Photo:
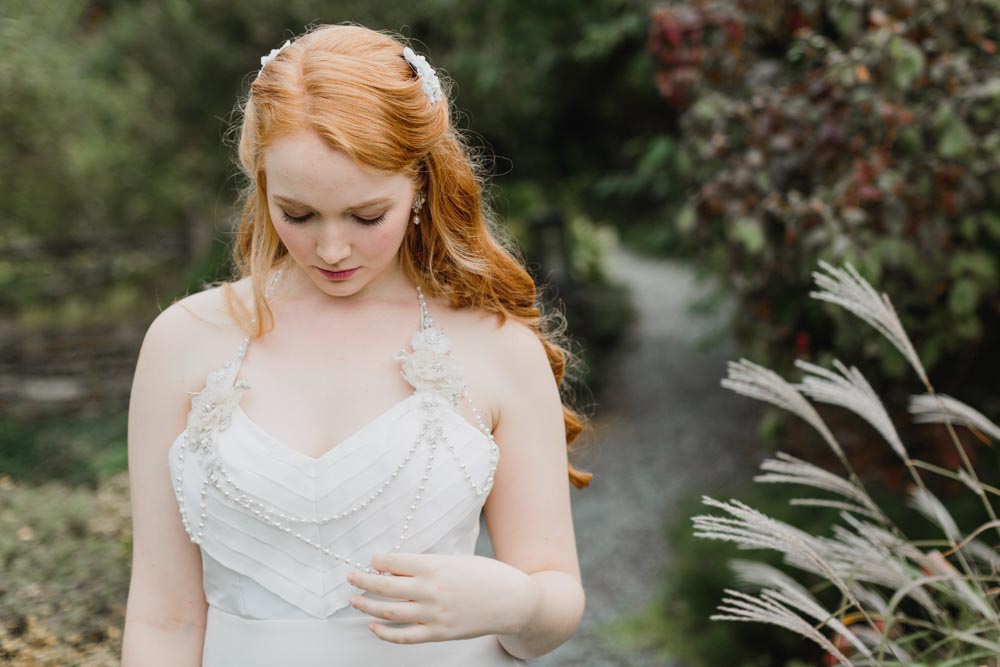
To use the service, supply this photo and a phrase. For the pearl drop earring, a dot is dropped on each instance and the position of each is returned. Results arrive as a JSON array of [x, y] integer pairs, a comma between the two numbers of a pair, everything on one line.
[[420, 200]]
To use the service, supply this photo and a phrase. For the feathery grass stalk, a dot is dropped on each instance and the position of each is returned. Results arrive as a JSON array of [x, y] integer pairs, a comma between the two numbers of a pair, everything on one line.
[[791, 593], [863, 552], [927, 408], [755, 381], [851, 291], [764, 609]]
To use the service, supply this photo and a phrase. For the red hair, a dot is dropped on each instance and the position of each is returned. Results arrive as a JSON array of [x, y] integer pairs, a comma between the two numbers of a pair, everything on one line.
[[351, 85]]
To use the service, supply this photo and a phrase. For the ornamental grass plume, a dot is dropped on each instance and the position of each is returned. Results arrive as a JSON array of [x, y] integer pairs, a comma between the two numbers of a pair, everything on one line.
[[893, 601]]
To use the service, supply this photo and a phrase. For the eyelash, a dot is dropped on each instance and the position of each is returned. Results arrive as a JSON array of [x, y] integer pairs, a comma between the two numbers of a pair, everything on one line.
[[370, 222]]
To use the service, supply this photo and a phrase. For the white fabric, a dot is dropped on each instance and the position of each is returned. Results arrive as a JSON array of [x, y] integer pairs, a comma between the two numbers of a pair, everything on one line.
[[275, 600]]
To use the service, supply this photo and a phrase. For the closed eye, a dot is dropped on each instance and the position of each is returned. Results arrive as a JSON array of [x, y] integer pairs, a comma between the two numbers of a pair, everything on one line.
[[371, 222], [294, 220], [364, 221]]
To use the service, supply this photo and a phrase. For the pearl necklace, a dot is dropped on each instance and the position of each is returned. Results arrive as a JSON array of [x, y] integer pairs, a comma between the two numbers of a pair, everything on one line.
[[272, 516]]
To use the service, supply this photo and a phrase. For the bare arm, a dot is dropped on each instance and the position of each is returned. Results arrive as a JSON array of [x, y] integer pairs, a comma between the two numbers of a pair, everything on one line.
[[528, 511], [166, 610]]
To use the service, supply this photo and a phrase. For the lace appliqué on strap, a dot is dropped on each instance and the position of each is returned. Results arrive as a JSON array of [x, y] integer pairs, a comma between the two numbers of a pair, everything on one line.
[[430, 368], [212, 408]]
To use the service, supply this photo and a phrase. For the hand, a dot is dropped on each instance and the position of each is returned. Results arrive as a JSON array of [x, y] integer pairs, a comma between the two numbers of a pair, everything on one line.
[[445, 596]]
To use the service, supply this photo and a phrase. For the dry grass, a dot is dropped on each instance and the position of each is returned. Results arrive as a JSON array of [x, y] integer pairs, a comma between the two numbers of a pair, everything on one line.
[[893, 601]]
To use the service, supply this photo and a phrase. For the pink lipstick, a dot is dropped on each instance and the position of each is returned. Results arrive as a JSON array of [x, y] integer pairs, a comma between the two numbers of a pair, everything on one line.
[[337, 275]]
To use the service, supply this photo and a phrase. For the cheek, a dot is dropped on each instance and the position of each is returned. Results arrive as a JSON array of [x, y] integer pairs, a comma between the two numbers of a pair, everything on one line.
[[385, 239], [293, 238]]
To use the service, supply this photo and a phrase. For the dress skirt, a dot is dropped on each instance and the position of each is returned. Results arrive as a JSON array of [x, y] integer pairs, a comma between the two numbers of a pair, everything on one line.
[[339, 641]]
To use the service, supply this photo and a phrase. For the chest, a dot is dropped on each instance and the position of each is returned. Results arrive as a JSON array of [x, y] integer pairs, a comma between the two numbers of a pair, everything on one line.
[[311, 397]]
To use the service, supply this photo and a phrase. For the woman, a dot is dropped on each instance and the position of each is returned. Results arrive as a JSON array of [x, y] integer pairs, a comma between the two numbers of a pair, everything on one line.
[[324, 492]]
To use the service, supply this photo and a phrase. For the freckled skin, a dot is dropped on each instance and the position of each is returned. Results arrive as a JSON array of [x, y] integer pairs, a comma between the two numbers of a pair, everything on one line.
[[329, 184]]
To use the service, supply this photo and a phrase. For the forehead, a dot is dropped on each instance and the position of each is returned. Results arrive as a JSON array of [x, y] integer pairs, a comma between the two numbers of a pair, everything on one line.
[[304, 167]]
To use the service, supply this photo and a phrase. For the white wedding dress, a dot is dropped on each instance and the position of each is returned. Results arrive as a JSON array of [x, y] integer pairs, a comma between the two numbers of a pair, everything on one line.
[[280, 530]]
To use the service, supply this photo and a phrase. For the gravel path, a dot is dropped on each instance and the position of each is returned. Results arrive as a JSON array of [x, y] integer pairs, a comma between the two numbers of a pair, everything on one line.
[[666, 429]]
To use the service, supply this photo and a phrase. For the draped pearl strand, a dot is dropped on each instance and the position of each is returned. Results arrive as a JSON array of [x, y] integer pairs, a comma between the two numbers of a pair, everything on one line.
[[426, 322], [431, 432]]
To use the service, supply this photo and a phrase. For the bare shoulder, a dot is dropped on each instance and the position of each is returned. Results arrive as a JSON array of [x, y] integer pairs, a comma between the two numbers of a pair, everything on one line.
[[502, 358], [207, 307], [190, 336]]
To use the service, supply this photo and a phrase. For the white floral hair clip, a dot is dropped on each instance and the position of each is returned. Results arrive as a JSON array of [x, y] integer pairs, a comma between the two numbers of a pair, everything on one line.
[[264, 60], [428, 79]]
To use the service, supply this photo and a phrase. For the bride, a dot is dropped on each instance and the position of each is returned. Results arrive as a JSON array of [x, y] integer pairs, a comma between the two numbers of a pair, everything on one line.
[[311, 445]]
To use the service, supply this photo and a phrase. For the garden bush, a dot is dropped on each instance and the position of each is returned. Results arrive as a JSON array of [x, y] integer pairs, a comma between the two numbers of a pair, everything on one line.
[[841, 130]]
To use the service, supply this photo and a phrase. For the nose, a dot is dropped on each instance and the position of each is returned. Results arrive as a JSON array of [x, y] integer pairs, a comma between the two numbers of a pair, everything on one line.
[[333, 246]]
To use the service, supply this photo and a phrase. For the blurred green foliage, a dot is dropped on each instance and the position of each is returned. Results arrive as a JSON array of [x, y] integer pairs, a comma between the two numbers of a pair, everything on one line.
[[117, 160], [79, 451], [116, 111], [65, 556], [840, 130]]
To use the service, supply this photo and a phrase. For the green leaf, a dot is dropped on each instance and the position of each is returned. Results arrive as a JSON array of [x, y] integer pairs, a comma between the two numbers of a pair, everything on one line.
[[709, 108], [967, 227], [686, 218], [978, 263], [955, 141], [907, 62], [748, 231], [847, 19], [656, 157], [911, 140], [963, 297], [991, 223], [969, 328]]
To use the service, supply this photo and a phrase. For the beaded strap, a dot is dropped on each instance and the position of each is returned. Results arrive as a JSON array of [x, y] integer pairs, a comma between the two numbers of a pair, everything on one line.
[[253, 320], [427, 321]]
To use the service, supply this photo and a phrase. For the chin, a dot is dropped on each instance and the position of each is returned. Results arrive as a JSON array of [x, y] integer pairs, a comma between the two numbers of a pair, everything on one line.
[[341, 287]]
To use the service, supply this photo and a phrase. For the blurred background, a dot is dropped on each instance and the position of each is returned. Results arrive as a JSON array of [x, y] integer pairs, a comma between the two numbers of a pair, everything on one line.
[[672, 171]]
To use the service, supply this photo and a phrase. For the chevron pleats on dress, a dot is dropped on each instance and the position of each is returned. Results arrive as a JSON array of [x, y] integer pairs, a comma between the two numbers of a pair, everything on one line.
[[445, 520]]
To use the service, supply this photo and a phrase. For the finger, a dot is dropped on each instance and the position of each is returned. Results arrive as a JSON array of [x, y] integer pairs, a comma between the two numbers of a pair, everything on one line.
[[390, 587], [403, 563], [407, 634], [395, 611]]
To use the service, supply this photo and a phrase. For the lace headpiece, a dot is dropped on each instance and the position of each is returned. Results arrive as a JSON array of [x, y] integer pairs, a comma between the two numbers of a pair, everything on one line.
[[264, 60], [428, 78]]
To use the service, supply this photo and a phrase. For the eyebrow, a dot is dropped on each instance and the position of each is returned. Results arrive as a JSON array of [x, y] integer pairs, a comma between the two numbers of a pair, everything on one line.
[[370, 202]]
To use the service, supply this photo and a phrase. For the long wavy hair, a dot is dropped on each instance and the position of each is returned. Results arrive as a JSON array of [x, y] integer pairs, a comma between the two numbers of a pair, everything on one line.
[[352, 86]]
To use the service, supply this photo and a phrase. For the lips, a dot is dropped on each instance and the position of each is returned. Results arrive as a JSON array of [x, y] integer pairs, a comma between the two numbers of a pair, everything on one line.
[[345, 273]]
